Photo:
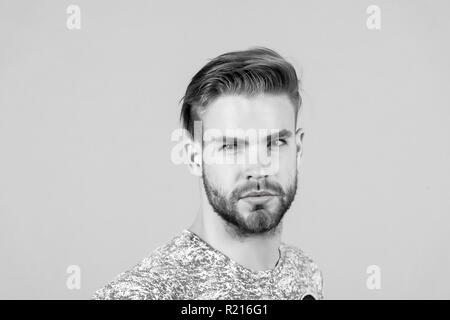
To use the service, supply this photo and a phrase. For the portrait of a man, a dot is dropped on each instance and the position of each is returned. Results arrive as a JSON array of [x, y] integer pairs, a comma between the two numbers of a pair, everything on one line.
[[244, 145], [211, 154]]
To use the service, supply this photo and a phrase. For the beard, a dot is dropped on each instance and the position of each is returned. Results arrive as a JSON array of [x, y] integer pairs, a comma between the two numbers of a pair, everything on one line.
[[258, 219]]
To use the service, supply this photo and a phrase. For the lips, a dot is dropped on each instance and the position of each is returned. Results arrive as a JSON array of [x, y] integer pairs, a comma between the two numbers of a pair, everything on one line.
[[259, 194]]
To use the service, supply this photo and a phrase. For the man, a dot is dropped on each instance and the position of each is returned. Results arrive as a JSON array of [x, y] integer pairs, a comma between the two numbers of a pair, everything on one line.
[[239, 105]]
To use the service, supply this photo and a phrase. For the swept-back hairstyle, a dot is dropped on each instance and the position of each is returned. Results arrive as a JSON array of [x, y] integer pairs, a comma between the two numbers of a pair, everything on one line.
[[249, 72]]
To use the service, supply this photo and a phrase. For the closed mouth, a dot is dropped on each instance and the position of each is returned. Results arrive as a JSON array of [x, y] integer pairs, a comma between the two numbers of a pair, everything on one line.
[[259, 194]]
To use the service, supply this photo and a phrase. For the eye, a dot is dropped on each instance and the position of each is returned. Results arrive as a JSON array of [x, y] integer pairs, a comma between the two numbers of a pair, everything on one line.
[[230, 146], [277, 143]]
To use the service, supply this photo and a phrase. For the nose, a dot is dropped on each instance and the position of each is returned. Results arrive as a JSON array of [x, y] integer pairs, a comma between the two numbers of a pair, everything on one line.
[[257, 172], [259, 169]]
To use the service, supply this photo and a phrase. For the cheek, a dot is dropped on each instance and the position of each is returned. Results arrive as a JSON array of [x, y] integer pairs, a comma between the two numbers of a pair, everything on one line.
[[223, 176], [287, 168]]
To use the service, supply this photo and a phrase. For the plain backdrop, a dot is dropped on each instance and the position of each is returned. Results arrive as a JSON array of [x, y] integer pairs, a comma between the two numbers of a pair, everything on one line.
[[86, 117]]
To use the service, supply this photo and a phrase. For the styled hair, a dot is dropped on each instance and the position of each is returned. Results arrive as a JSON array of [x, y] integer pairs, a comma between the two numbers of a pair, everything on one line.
[[249, 72]]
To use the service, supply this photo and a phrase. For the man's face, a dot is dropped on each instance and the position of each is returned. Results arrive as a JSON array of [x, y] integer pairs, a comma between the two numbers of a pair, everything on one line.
[[271, 176]]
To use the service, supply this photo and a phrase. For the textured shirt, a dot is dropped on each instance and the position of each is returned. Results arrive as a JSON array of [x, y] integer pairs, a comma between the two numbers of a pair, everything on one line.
[[187, 267]]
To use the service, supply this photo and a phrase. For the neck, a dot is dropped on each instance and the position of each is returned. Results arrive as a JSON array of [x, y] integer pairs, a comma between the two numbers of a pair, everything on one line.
[[258, 252]]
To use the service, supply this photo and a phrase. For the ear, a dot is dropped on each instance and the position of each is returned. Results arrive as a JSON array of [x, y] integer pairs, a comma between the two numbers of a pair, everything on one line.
[[193, 152], [299, 134]]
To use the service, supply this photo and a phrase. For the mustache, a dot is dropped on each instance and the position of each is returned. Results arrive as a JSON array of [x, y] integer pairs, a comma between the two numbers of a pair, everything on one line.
[[257, 187]]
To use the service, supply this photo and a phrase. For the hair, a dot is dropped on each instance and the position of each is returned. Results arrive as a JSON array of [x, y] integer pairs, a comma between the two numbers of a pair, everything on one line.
[[249, 72]]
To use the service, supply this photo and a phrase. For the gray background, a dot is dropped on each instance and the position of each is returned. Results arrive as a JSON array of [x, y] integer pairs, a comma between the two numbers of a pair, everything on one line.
[[86, 117]]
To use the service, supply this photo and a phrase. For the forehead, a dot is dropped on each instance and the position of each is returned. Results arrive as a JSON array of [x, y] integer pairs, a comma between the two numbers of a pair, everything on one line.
[[263, 111]]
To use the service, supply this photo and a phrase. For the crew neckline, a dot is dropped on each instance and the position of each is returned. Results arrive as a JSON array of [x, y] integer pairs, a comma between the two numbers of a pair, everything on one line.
[[269, 272]]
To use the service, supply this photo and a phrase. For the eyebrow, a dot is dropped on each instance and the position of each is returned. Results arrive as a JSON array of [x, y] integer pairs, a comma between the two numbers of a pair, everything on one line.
[[280, 134]]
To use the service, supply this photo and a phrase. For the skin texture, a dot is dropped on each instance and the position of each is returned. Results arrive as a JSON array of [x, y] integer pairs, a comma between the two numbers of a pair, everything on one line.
[[248, 230]]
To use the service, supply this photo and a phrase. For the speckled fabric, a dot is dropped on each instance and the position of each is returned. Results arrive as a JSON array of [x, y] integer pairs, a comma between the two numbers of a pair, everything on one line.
[[189, 268]]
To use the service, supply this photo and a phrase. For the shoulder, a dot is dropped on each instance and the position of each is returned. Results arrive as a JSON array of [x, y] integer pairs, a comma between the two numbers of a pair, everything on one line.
[[156, 277], [306, 266], [134, 284], [299, 257]]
